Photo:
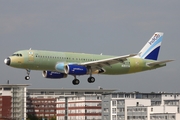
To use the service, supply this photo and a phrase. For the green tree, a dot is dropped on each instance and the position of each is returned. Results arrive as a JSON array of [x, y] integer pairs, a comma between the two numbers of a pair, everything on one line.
[[32, 117], [53, 118]]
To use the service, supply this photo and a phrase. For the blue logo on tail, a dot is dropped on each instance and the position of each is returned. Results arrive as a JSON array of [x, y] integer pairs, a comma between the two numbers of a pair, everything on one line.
[[156, 36], [153, 51]]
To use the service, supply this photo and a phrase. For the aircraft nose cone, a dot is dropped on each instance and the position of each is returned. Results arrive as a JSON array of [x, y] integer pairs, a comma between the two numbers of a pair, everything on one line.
[[7, 61]]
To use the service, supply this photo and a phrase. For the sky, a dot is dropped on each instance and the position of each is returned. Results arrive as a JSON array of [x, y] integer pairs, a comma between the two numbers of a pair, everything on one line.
[[110, 27]]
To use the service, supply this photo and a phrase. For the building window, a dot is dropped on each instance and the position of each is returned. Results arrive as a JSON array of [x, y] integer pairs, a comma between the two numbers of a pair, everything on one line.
[[7, 89], [114, 95], [114, 117], [151, 109], [121, 95], [127, 95], [132, 95], [114, 110], [113, 103], [106, 110], [137, 103], [120, 102]]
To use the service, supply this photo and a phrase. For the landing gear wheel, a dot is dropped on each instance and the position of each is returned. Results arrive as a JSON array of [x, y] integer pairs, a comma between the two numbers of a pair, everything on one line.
[[91, 79], [75, 82], [27, 78]]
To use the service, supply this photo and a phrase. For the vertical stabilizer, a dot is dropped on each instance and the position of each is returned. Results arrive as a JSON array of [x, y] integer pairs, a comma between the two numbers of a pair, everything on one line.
[[152, 47]]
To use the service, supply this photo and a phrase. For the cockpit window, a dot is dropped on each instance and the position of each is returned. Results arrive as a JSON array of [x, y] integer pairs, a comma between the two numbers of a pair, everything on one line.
[[19, 55]]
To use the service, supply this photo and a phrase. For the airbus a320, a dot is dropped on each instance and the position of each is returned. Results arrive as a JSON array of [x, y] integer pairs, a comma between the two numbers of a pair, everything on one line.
[[56, 65]]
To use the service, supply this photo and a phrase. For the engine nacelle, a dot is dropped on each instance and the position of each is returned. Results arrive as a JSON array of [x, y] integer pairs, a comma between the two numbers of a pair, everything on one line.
[[71, 69], [53, 74], [60, 67], [76, 69]]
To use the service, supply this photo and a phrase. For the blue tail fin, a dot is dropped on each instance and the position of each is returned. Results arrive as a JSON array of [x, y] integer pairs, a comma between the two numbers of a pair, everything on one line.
[[152, 47]]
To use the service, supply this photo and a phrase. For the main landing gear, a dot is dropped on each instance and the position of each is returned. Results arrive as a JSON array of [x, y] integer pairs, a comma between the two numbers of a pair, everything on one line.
[[27, 77], [90, 79], [76, 81]]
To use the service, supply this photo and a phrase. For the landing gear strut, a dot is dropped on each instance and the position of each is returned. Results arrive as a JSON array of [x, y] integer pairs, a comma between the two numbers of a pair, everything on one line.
[[27, 77]]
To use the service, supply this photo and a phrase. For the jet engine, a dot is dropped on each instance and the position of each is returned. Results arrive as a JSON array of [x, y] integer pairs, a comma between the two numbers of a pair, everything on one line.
[[53, 74], [76, 69], [72, 69]]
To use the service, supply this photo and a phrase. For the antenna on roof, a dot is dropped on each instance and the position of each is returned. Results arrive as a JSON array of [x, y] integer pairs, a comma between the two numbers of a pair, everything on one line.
[[7, 81]]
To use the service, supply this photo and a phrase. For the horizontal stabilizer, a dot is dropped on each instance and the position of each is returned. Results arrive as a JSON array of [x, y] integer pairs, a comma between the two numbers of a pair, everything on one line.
[[159, 62]]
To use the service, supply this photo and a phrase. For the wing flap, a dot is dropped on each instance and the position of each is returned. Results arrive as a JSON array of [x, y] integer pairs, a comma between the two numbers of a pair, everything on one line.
[[108, 61], [158, 62]]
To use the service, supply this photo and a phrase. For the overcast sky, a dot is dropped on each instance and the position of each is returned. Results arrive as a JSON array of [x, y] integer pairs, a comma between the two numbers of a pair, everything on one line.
[[111, 27]]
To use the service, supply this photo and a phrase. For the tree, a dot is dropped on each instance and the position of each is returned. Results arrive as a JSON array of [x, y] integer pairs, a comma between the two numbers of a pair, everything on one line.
[[53, 118]]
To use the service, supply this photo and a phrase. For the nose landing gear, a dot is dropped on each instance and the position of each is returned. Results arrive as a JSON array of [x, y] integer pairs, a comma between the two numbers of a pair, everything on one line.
[[27, 77]]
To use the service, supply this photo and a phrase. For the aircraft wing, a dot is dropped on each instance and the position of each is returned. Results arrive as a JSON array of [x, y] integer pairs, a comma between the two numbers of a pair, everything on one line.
[[107, 62], [158, 62]]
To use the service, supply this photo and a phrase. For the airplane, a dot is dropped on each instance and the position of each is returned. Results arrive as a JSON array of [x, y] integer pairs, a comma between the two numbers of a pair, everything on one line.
[[56, 65]]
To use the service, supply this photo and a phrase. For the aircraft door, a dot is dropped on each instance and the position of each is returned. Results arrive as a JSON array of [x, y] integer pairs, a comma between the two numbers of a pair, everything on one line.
[[30, 55]]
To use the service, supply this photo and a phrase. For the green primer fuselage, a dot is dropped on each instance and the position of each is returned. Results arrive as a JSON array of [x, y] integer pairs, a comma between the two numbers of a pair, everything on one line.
[[47, 60]]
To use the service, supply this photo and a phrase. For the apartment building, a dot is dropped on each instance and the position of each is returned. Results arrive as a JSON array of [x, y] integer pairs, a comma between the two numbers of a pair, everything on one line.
[[81, 104], [13, 102], [140, 106]]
